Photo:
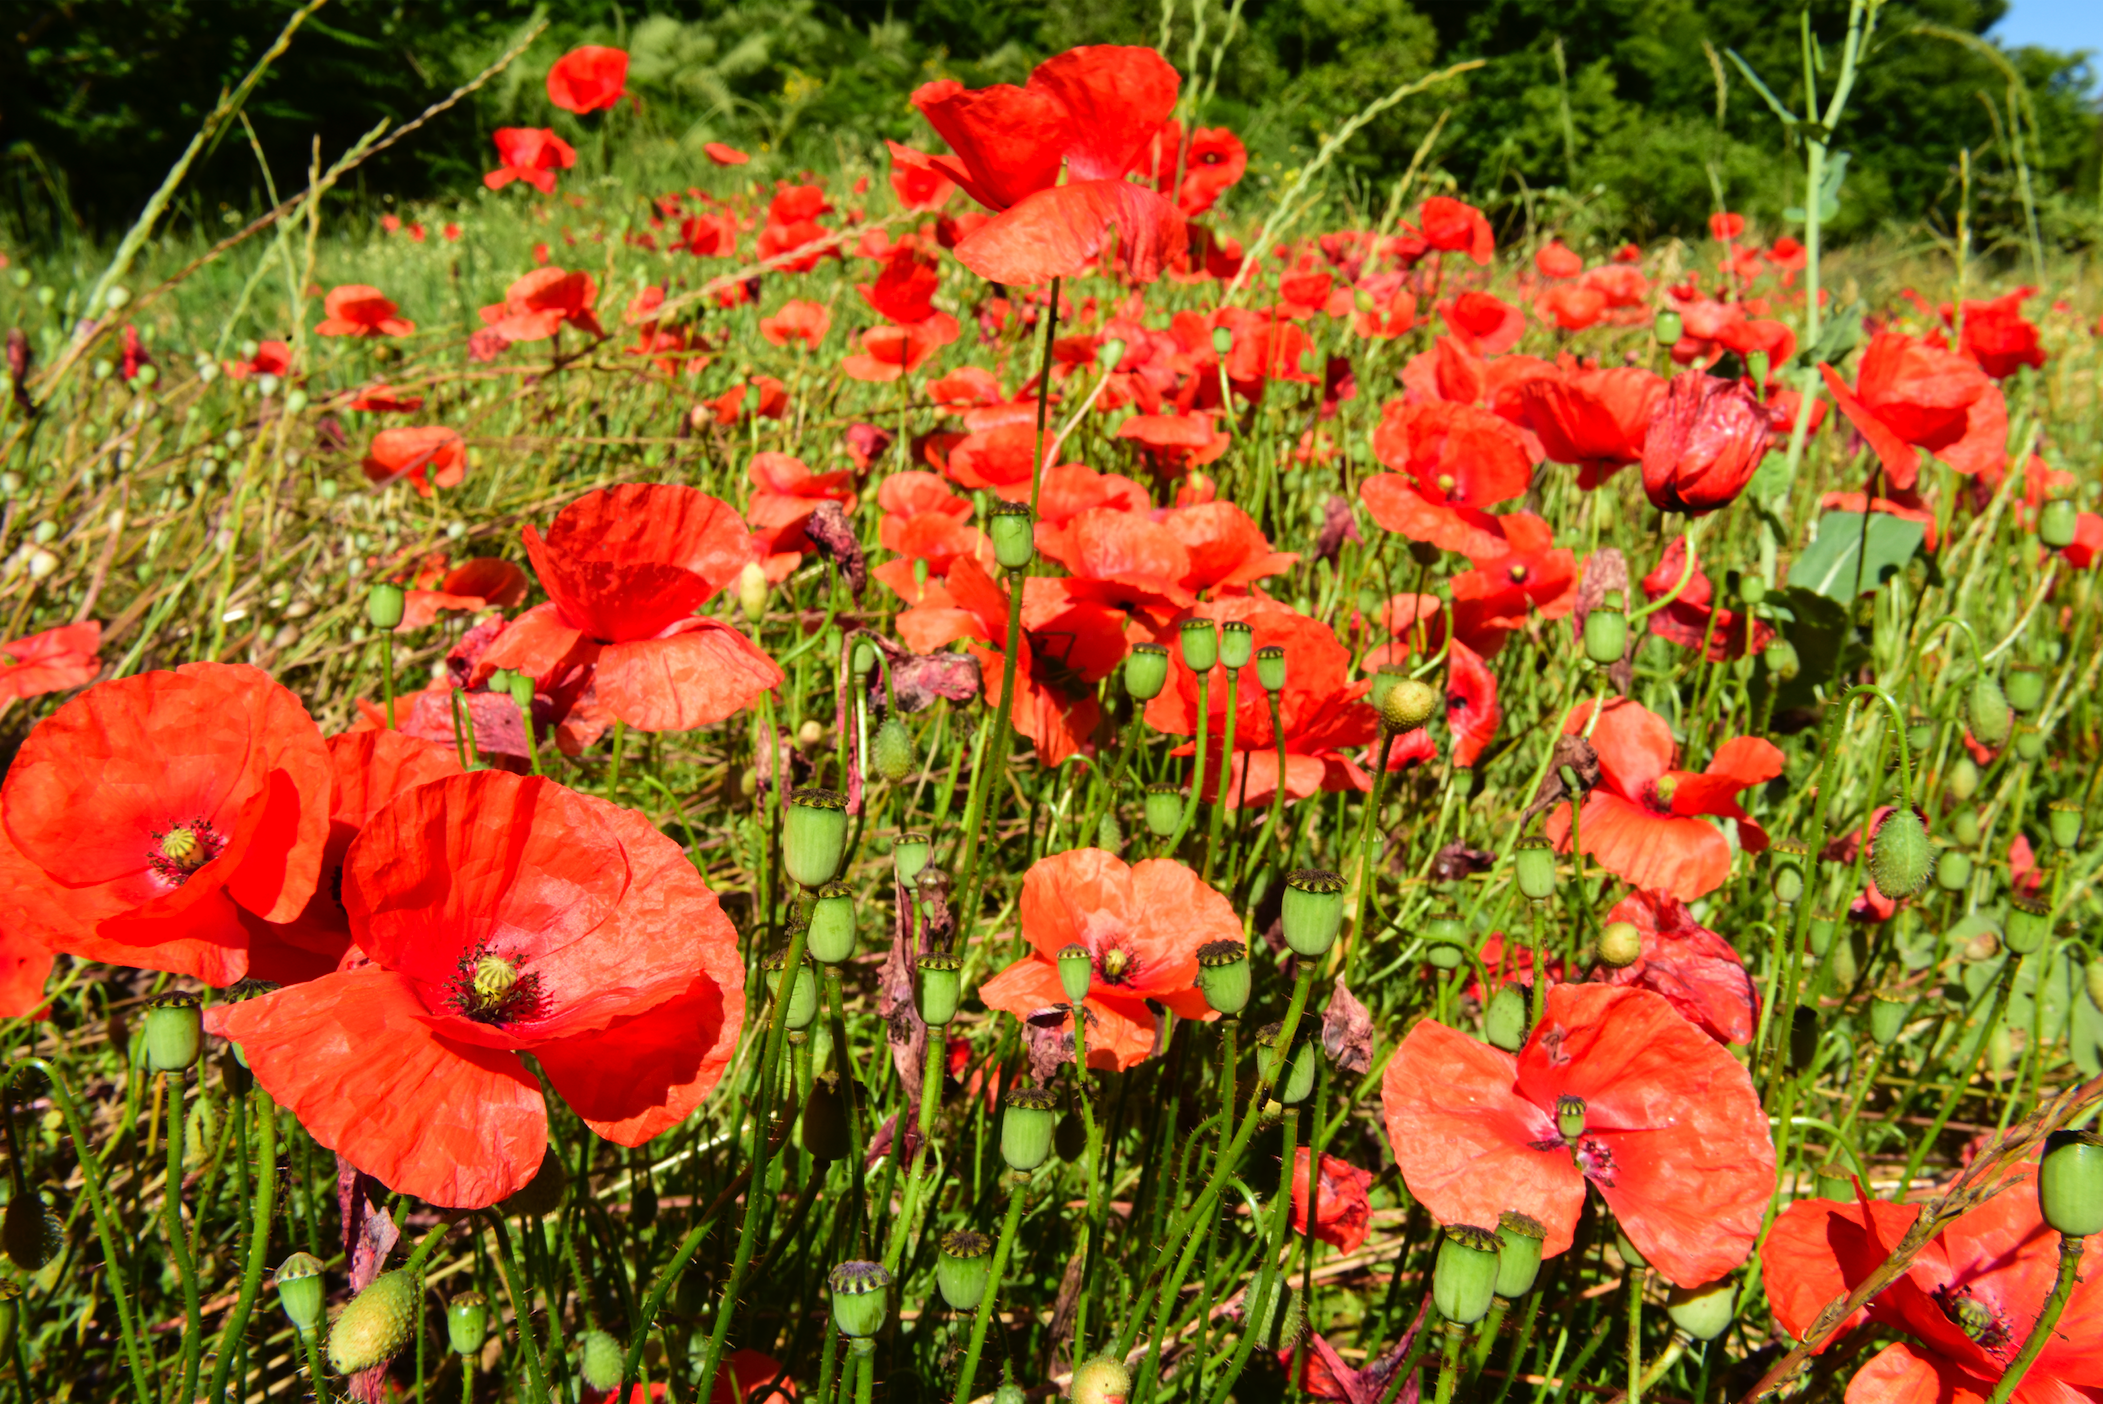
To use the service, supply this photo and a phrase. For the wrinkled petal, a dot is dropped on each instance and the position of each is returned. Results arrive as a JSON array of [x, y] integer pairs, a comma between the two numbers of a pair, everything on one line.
[[703, 674], [1055, 233]]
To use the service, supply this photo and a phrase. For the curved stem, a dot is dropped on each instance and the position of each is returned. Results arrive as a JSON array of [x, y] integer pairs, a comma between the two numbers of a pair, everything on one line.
[[2070, 1249], [179, 1237]]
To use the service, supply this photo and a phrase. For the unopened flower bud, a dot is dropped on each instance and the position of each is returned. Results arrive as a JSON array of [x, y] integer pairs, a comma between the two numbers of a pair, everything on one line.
[[301, 1291], [1146, 671], [1900, 856], [2063, 819], [1606, 634], [1224, 977], [1962, 780], [1222, 340], [2070, 1183], [891, 749], [499, 680], [376, 1324], [1270, 667], [830, 939], [1703, 1312], [1312, 910], [384, 605], [521, 690], [860, 1292], [1237, 644], [1408, 705], [941, 988], [1988, 714], [752, 592], [964, 1268], [908, 857], [1520, 1239], [1013, 535], [2030, 744], [1569, 1117], [1953, 870], [1964, 826], [814, 836], [2058, 523], [1533, 865], [2025, 688], [599, 1361], [1464, 1279], [174, 1033], [1504, 1019], [2029, 924], [1026, 1127], [1110, 353], [30, 1232], [1164, 809], [1200, 639], [1103, 1380]]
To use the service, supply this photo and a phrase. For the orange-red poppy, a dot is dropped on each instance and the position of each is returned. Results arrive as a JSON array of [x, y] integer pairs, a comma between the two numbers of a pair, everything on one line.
[[1531, 575], [1695, 620], [382, 398], [271, 358], [915, 179], [482, 582], [1571, 307], [723, 155], [1342, 1213], [1911, 396], [1176, 443], [904, 291], [784, 494], [1452, 461], [1454, 227], [430, 456], [1673, 1136], [358, 309], [797, 320], [588, 79], [149, 818], [1595, 420], [1997, 335], [1214, 163], [890, 353], [924, 521], [1707, 440], [1554, 259], [54, 660], [530, 154], [501, 915], [541, 303], [1141, 926], [1472, 713], [1694, 969]]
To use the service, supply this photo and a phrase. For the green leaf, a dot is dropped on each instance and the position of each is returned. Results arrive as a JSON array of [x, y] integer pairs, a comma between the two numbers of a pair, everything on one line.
[[1843, 555]]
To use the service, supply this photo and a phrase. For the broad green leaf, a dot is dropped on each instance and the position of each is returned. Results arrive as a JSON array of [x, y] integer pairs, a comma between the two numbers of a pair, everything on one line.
[[1836, 561]]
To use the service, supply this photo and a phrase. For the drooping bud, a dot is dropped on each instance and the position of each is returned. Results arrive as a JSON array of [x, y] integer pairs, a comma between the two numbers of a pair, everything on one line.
[[1533, 865], [1569, 1117], [174, 1033], [1076, 969], [1953, 870], [1606, 631], [1026, 1127], [1408, 705], [1464, 1279], [1703, 1312], [599, 1360], [1103, 1380], [1200, 640], [1237, 644], [384, 605], [301, 1291], [964, 1268], [1224, 977], [891, 750], [2063, 819], [908, 856], [1988, 713], [814, 836], [1504, 1019], [1164, 809], [1013, 535], [1520, 1239], [1311, 912], [375, 1325], [2029, 924], [2070, 1183], [1270, 667], [941, 988], [1146, 671], [1620, 943], [2025, 688], [860, 1293], [1900, 855], [830, 939]]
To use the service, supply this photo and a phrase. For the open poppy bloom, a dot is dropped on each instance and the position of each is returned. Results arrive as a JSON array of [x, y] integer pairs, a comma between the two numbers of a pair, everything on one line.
[[1486, 325], [382, 398], [1451, 461], [588, 79], [541, 303], [51, 661], [1472, 713], [924, 521], [1141, 926], [625, 568], [1342, 1213], [1669, 1129], [1452, 226], [1707, 440], [784, 494], [1695, 620], [915, 179], [723, 155], [501, 915], [1967, 1302], [1910, 396], [1530, 576], [530, 154], [1998, 336], [1123, 564], [806, 322], [1571, 307], [271, 358], [483, 582], [1214, 163], [429, 456], [357, 309], [1696, 970], [1175, 443], [147, 819], [1640, 823], [1593, 419], [1555, 259]]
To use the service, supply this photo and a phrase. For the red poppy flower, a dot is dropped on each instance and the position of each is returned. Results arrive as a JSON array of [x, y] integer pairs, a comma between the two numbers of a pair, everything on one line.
[[1454, 227], [1450, 371], [1472, 713], [146, 816], [904, 291], [1967, 1302], [1572, 307], [501, 915], [1640, 823], [382, 398], [530, 154], [1555, 260], [133, 357], [588, 79], [625, 568], [1486, 325], [784, 494], [483, 582], [924, 521], [1388, 317], [915, 179], [1141, 926], [1342, 1213], [1214, 163], [54, 660], [1070, 489], [890, 353], [1451, 461], [1708, 439], [1266, 348], [1124, 562], [1673, 1139], [1998, 336], [806, 322], [1176, 443], [1725, 226], [429, 456], [271, 358], [996, 459], [1531, 576], [356, 309], [1911, 396], [1694, 620], [1593, 419], [1228, 551], [709, 236], [2087, 546], [723, 155], [1693, 968], [539, 304]]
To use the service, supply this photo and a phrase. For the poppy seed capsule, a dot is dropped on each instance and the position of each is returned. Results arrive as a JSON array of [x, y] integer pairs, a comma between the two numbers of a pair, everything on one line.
[[1900, 855], [384, 605], [2030, 745], [1164, 809], [2025, 688], [1076, 969], [301, 1291], [1504, 1020], [1533, 864], [964, 1268], [1270, 667], [2029, 923], [2063, 819], [908, 857], [1102, 1380], [1200, 640], [1953, 870], [1464, 1280], [2070, 1183], [1520, 1239], [803, 991], [1703, 1312], [859, 1290], [1237, 644], [599, 1360], [1013, 535], [1667, 328], [830, 939], [941, 988], [1146, 671], [174, 1033], [1788, 859], [891, 750], [1311, 911], [375, 1325], [1887, 1019], [1408, 705], [814, 836], [521, 690], [1569, 1117], [1606, 635], [1620, 943], [1384, 679], [1026, 1127], [1277, 1323], [1224, 977], [2059, 523], [1988, 714]]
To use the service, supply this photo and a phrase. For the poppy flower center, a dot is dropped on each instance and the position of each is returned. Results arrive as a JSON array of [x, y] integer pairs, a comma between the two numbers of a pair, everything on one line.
[[493, 989], [1657, 795], [1519, 574], [181, 850], [1975, 1318], [1445, 483]]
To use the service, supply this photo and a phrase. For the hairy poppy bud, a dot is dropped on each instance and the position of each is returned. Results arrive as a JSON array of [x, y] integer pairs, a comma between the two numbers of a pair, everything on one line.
[[1667, 328], [830, 939], [1703, 1312], [1013, 534], [31, 1233], [1200, 640], [1270, 667], [1788, 859], [599, 1360], [941, 987], [1277, 1323], [1164, 809], [1953, 870], [892, 750], [908, 857], [174, 1033], [859, 1292], [1706, 441], [864, 659], [543, 1193], [1464, 1279], [1224, 975], [1237, 644], [1010, 1392], [1311, 911], [2058, 523], [1504, 1019], [824, 1125], [1533, 864], [1408, 705], [2025, 688], [1293, 1077], [814, 836], [1964, 827], [1076, 969], [2029, 923], [1569, 1117], [1026, 1127], [384, 605], [1520, 1238], [1606, 634], [1887, 1019], [2063, 819], [1900, 855], [964, 1269], [752, 592], [802, 996], [1620, 943], [1103, 1380], [1146, 671], [375, 1325], [2070, 1183], [1109, 835], [1988, 713]]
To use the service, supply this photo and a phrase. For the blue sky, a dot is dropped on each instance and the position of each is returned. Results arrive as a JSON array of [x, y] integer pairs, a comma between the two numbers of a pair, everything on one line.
[[2055, 24]]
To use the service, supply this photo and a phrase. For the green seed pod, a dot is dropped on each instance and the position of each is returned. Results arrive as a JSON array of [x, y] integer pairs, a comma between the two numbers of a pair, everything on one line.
[[1533, 864], [1820, 938], [466, 1322], [1964, 827], [1010, 1392], [375, 1325], [824, 1125], [521, 690], [2070, 1183], [1988, 714], [302, 1291], [1606, 635], [1504, 1020], [1102, 1380], [1620, 943], [599, 1360], [31, 1233], [1076, 970], [753, 589], [1237, 644], [941, 988], [1026, 1127], [2029, 924], [1782, 661], [803, 990], [1752, 590], [2030, 744], [1224, 977], [1446, 937], [814, 836], [499, 680], [2058, 523], [908, 857], [1279, 1322], [830, 939], [1519, 1238], [864, 659], [174, 1033], [1311, 911], [1270, 667], [964, 1269], [1298, 1082], [1900, 856], [1200, 639], [2025, 688], [891, 749], [1788, 860], [1961, 782], [1887, 1019], [1464, 1280], [1953, 870], [1146, 671], [1667, 328], [1704, 1312], [384, 605], [543, 1193], [1013, 534], [2063, 818], [1164, 809], [1630, 1253], [1408, 705], [860, 1292]]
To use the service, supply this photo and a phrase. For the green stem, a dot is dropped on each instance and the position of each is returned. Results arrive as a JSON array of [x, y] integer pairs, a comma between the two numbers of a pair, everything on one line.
[[1367, 824], [521, 1309], [1197, 783], [1226, 770], [178, 1237], [2070, 1249], [258, 1238], [1260, 1304], [1017, 1192]]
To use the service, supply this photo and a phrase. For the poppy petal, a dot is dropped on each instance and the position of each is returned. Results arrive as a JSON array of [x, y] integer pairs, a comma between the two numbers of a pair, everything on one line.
[[699, 676], [641, 1076], [1685, 857], [1900, 459], [1904, 1374], [1055, 233]]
